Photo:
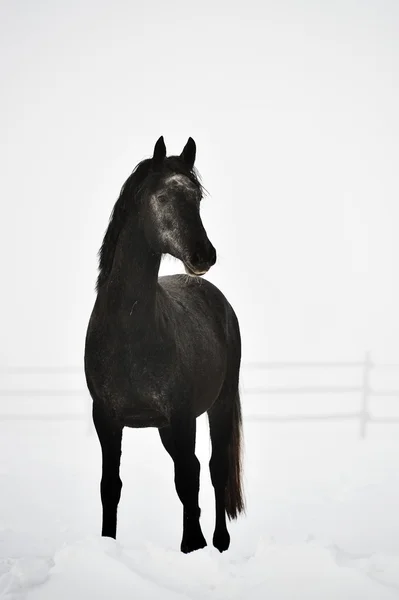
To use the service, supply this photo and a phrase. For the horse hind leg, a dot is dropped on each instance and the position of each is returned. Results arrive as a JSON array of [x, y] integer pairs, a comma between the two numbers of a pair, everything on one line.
[[225, 463]]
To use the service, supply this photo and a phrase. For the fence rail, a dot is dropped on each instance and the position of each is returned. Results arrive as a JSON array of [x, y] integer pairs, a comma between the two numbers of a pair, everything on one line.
[[365, 390]]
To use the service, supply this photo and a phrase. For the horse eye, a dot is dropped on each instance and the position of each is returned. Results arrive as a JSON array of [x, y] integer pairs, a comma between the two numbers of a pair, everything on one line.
[[162, 198]]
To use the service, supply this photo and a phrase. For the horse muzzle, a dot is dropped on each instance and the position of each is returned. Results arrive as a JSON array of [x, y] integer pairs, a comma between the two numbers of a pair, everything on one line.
[[201, 260]]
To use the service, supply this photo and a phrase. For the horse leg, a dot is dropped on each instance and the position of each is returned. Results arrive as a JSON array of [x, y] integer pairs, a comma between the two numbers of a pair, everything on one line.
[[179, 441], [110, 437], [219, 469], [225, 464]]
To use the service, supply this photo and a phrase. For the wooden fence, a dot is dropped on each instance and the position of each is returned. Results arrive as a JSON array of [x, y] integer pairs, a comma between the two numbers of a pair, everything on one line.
[[365, 391], [363, 415]]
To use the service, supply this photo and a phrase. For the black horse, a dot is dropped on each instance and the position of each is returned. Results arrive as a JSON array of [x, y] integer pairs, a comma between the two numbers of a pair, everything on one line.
[[161, 351]]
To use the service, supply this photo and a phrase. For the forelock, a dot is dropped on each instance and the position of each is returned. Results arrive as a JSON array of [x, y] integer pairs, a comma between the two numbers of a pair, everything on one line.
[[180, 181]]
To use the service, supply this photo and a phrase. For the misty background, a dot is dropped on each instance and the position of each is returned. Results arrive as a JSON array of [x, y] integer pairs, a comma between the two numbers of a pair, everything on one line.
[[293, 106], [294, 109]]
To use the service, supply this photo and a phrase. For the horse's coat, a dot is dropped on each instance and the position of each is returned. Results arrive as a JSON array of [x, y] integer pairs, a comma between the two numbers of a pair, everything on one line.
[[162, 351]]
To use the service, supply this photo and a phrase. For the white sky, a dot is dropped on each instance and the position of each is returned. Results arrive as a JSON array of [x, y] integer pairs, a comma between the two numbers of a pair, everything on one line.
[[294, 108]]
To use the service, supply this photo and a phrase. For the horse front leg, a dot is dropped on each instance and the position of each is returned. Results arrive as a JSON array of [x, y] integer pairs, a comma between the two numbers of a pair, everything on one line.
[[179, 441], [110, 437]]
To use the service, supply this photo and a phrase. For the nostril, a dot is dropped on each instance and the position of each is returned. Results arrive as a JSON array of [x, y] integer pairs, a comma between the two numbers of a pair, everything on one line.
[[204, 258], [196, 258]]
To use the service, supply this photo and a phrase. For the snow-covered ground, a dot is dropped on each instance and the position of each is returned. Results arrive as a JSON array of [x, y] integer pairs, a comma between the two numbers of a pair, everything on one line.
[[322, 517]]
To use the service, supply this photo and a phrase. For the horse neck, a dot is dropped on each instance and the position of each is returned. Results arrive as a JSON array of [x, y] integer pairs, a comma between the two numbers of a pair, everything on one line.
[[133, 280]]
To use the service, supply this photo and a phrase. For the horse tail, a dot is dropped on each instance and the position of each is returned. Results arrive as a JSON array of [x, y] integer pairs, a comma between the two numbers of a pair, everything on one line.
[[234, 498]]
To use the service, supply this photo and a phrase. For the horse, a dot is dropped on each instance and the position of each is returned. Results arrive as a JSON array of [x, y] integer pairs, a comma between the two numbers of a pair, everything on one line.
[[161, 351]]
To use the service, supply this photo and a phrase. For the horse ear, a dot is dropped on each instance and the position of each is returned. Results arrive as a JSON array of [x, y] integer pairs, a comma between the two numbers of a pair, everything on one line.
[[189, 151], [159, 152]]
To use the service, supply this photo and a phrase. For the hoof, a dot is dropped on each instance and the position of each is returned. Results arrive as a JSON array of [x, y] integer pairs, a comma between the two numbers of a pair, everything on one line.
[[190, 543], [221, 540]]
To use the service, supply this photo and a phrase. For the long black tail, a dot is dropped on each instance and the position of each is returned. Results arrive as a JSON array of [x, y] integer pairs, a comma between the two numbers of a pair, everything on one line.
[[235, 503]]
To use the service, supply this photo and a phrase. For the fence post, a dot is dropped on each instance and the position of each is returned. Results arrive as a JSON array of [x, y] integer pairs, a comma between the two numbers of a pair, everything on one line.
[[364, 410]]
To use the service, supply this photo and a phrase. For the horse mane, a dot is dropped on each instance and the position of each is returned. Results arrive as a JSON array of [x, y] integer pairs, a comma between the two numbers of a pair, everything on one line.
[[124, 203], [118, 218]]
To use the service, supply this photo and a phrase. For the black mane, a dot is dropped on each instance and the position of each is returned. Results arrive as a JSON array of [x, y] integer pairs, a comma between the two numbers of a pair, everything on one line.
[[129, 192]]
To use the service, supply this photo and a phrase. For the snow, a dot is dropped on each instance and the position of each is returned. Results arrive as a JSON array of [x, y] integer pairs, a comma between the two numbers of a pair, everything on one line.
[[322, 518], [101, 568]]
